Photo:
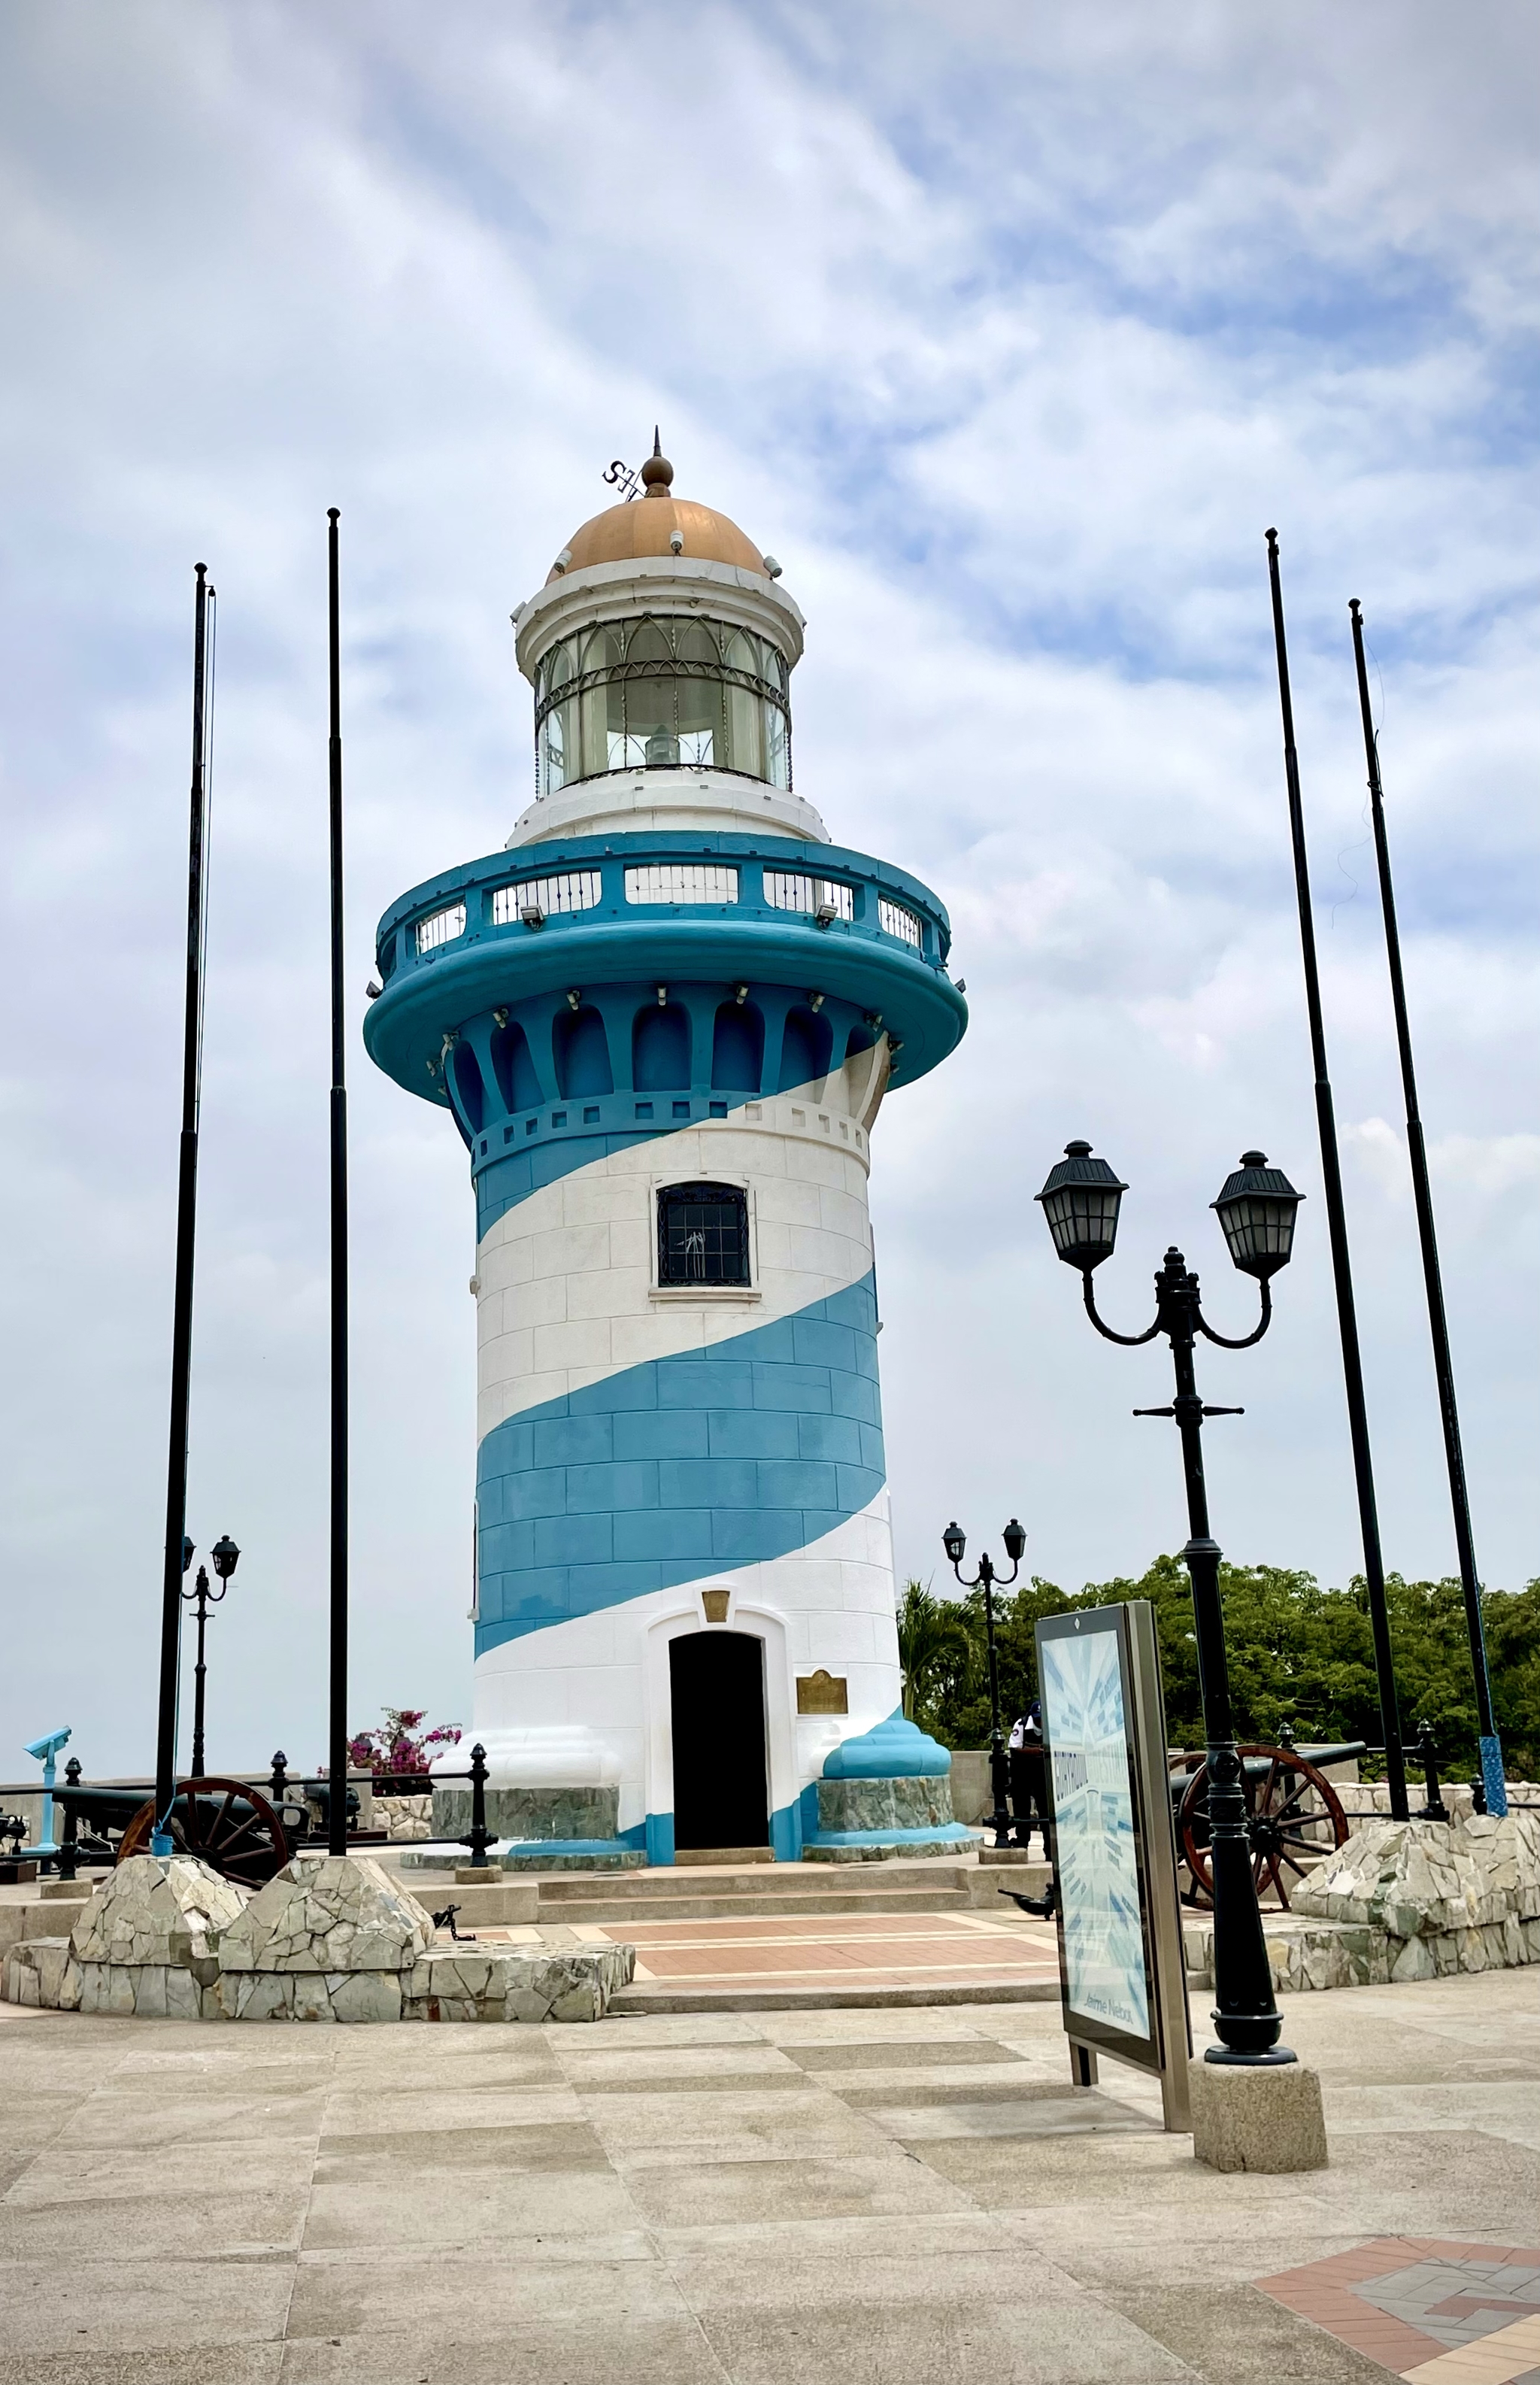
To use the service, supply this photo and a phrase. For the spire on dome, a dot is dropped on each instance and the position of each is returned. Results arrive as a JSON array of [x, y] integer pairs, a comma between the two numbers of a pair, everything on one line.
[[657, 473]]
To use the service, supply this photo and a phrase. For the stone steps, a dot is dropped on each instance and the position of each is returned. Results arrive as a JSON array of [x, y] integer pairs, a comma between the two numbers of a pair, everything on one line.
[[653, 1997], [37, 1917], [598, 1905], [693, 1893]]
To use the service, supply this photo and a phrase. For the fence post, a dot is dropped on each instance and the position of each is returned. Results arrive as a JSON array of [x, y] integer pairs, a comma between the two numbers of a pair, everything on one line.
[[479, 1838], [1433, 1809], [67, 1848]]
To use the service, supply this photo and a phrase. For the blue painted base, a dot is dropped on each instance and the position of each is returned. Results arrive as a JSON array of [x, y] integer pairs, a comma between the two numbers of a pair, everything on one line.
[[877, 1846], [573, 1854]]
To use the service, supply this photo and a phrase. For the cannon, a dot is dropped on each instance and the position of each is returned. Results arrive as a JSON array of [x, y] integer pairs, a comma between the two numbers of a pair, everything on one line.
[[1294, 1815], [230, 1824], [242, 1832]]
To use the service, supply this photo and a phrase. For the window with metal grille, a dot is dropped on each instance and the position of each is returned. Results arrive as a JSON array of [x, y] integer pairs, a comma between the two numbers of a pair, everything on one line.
[[682, 882], [894, 920], [441, 928], [703, 1234], [791, 890], [574, 890]]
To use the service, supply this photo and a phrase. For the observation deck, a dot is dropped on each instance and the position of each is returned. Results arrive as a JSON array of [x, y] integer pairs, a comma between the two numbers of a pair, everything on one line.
[[721, 916]]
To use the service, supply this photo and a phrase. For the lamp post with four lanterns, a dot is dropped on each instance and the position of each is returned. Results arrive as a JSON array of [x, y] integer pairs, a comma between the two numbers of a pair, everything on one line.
[[988, 1581], [1257, 1210]]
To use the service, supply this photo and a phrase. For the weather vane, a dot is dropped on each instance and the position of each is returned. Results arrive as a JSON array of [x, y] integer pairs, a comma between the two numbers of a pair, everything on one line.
[[621, 476]]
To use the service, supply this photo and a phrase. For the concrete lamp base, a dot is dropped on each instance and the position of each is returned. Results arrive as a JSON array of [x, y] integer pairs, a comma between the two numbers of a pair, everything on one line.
[[1265, 2119]]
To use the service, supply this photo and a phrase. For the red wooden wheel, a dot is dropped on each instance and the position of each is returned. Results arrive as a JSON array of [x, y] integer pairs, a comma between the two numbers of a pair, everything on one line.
[[1294, 1816], [229, 1824]]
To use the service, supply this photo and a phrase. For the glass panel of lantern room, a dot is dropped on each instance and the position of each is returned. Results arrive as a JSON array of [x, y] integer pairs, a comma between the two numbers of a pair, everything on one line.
[[777, 740], [698, 713], [553, 750], [651, 737], [698, 696], [745, 747], [601, 653]]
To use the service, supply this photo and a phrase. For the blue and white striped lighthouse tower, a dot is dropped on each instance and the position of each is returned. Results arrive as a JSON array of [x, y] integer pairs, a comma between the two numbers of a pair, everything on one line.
[[663, 1019]]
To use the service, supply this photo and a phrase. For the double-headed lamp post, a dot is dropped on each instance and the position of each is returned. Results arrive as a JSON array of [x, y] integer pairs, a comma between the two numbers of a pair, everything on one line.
[[1257, 1210], [987, 1578], [224, 1553]]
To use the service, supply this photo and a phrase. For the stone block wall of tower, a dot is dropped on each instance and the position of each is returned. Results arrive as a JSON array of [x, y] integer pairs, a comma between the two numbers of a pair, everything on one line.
[[708, 1010]]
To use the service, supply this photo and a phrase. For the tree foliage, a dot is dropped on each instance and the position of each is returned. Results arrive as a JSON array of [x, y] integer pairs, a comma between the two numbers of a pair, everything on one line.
[[1301, 1659], [935, 1651]]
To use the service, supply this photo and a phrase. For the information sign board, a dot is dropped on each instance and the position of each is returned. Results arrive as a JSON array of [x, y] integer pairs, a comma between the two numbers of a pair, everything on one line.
[[1120, 1966]]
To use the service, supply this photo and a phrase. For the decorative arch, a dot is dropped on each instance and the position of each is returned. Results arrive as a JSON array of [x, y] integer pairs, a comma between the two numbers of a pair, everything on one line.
[[470, 1086], [513, 1068], [805, 1043], [581, 1051], [738, 1048], [660, 1049]]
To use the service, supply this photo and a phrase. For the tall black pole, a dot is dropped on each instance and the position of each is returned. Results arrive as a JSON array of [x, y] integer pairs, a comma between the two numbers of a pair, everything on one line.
[[1491, 1750], [1246, 2010], [187, 1215], [1337, 1220], [337, 1743]]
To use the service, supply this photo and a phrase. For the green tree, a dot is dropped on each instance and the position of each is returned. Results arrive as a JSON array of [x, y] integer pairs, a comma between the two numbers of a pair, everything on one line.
[[1301, 1659], [934, 1649]]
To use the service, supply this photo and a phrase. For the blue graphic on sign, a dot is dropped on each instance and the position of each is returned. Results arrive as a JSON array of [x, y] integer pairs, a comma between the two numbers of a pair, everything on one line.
[[1093, 1804]]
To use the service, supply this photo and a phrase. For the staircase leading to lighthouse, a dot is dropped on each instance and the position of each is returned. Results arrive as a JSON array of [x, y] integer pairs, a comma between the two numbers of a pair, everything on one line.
[[703, 1893]]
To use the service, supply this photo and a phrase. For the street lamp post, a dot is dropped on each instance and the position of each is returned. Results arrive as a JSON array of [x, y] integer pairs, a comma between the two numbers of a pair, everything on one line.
[[1257, 1210], [987, 1578], [202, 1597]]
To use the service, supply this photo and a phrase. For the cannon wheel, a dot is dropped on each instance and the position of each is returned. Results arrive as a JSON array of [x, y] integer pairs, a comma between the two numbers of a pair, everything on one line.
[[247, 1847], [1285, 1813]]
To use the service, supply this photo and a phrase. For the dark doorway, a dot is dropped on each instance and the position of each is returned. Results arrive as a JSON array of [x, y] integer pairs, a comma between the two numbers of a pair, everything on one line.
[[717, 1682]]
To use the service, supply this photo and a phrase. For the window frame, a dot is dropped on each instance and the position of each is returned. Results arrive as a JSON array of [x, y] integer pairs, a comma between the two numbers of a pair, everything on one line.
[[725, 1180]]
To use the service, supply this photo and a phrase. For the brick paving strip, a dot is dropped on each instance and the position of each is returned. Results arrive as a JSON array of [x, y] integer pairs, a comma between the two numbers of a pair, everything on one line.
[[873, 1950], [870, 1949], [1434, 2311]]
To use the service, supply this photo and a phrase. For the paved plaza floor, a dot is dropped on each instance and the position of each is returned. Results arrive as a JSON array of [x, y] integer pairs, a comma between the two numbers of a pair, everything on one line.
[[818, 1955], [836, 2197]]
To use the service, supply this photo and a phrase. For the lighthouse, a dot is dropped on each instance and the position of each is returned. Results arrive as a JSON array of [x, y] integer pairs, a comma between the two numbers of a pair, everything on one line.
[[664, 1019]]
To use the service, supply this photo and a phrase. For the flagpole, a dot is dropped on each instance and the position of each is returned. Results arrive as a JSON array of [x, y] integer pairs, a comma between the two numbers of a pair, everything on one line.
[[337, 1738], [176, 1551], [1439, 1324], [1336, 1223]]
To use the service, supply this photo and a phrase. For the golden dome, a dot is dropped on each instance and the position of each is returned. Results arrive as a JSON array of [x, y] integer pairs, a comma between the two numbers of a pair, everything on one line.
[[651, 524]]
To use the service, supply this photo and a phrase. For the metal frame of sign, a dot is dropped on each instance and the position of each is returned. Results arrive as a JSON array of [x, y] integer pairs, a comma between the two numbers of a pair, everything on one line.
[[1126, 1639]]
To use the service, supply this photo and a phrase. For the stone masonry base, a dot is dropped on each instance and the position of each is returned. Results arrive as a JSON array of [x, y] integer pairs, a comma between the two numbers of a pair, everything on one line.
[[328, 1939]]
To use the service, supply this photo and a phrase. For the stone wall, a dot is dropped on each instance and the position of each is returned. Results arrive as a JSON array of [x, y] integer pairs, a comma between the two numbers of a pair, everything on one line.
[[1403, 1900], [405, 1819], [1457, 1797], [329, 1939], [529, 1813], [1461, 1896]]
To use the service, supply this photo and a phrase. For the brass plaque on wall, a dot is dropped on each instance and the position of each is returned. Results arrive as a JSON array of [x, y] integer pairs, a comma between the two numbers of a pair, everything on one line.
[[822, 1692], [716, 1604]]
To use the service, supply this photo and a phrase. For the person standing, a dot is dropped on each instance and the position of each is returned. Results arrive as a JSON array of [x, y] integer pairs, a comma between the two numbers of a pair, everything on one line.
[[1028, 1778]]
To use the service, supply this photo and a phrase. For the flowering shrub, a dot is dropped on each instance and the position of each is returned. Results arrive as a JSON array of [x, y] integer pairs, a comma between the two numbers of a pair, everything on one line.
[[402, 1745]]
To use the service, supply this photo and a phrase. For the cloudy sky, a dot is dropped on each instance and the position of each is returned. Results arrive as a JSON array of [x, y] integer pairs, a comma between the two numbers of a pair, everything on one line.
[[1010, 330]]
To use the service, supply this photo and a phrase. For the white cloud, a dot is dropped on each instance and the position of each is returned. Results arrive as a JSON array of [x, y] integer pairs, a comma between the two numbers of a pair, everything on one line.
[[1010, 333]]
